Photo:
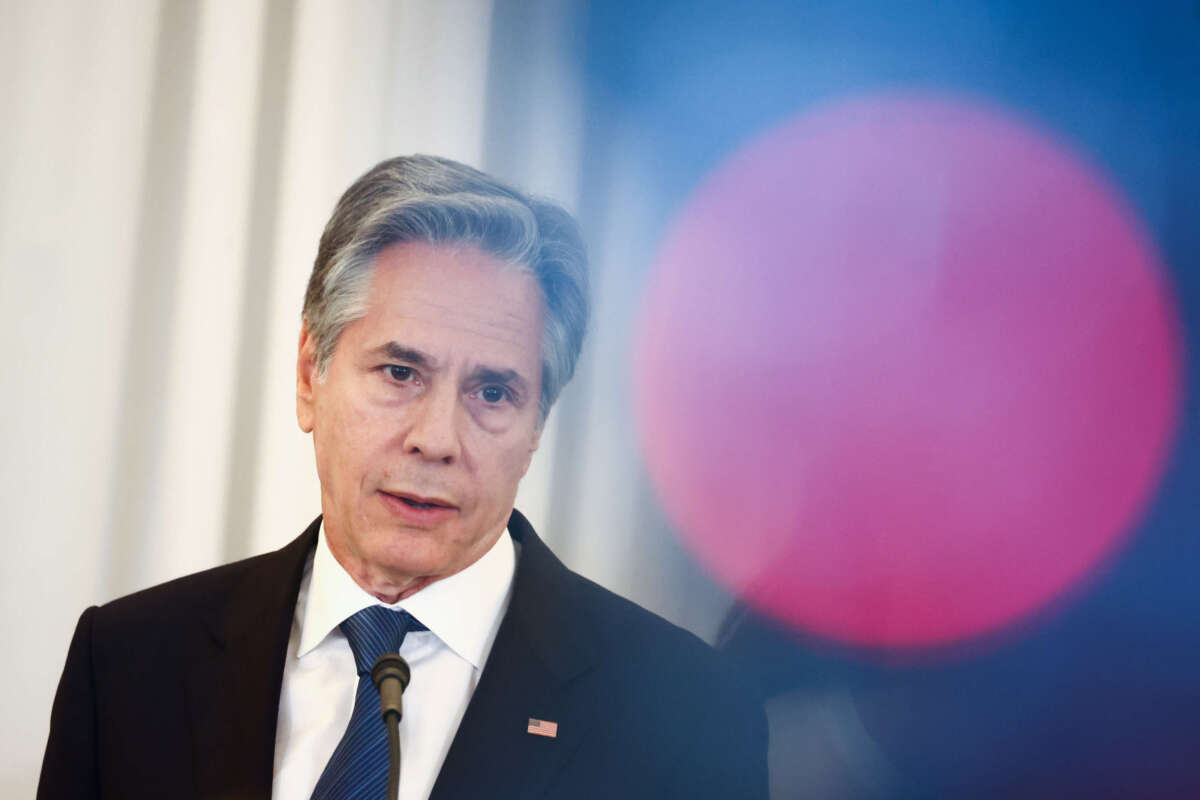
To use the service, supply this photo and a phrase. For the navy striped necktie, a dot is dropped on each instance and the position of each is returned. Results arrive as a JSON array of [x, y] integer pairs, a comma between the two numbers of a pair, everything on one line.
[[358, 768]]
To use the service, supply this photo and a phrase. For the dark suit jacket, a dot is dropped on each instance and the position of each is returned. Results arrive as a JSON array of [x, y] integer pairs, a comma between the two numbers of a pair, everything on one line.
[[174, 692]]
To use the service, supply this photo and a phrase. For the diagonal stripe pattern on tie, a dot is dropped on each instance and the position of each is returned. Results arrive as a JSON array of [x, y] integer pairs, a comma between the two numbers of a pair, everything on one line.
[[358, 768]]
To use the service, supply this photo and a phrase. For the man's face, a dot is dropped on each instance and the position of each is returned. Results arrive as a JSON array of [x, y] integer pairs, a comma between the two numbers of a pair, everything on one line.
[[427, 417]]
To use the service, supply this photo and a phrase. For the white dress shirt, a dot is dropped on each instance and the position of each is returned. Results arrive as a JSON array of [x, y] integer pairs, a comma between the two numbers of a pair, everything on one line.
[[463, 614]]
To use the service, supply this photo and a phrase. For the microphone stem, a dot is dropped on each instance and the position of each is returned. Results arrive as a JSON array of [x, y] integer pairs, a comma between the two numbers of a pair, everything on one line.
[[393, 731]]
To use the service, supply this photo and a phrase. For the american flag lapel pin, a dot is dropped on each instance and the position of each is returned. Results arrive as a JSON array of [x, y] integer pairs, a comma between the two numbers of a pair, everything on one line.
[[542, 727]]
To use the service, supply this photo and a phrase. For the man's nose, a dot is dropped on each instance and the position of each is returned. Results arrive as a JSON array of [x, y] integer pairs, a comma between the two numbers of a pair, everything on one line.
[[433, 432]]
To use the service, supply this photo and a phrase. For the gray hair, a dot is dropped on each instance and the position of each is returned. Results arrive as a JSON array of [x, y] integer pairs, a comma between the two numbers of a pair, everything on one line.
[[436, 200]]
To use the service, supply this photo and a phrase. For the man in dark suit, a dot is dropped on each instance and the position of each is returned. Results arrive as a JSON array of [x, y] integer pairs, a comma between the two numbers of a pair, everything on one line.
[[444, 314]]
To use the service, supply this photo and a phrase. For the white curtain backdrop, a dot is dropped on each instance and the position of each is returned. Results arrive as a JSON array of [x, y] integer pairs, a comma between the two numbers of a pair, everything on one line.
[[165, 173]]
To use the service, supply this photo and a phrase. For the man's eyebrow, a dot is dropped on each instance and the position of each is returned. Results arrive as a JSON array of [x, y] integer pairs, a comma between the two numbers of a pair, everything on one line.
[[398, 352], [498, 375], [419, 358]]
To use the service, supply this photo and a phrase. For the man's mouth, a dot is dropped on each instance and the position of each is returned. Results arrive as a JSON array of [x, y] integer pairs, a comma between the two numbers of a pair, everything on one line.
[[415, 504], [419, 502]]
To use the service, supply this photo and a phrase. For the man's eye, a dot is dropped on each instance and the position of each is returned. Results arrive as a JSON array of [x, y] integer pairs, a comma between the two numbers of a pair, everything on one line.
[[493, 394], [399, 373]]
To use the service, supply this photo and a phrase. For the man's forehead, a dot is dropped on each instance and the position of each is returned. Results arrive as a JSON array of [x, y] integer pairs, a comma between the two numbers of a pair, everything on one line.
[[453, 302], [432, 326], [432, 308]]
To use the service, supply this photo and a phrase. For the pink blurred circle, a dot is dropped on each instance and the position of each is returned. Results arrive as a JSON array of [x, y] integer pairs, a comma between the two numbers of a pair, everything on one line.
[[907, 370]]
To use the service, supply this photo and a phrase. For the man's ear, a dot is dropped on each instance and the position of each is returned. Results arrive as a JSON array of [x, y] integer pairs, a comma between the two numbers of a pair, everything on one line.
[[306, 377]]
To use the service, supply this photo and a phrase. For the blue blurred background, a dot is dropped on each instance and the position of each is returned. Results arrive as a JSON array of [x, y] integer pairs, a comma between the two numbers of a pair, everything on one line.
[[1101, 697]]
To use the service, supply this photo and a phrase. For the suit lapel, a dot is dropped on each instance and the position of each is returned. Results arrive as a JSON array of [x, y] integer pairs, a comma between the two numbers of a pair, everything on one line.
[[234, 691], [542, 647]]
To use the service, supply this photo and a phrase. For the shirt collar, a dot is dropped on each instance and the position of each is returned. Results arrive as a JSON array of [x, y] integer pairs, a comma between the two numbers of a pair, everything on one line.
[[463, 610]]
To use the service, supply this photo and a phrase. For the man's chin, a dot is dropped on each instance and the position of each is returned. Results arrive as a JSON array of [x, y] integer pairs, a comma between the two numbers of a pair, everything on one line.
[[405, 550]]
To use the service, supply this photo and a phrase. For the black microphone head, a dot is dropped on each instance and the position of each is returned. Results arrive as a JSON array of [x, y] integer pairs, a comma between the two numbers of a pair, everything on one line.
[[390, 676], [390, 665]]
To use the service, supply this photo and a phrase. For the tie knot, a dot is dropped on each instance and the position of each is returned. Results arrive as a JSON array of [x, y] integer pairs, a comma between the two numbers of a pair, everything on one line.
[[377, 630]]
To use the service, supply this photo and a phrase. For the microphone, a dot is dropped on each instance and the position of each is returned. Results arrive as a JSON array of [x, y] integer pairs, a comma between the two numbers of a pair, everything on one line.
[[390, 676]]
